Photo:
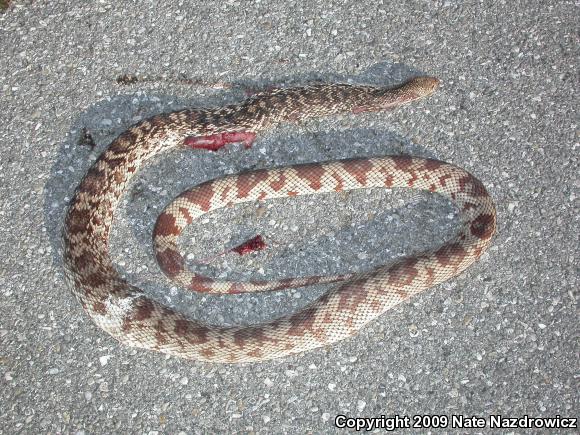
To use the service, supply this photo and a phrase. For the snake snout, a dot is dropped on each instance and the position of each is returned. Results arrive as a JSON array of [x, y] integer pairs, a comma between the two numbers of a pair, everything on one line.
[[424, 86]]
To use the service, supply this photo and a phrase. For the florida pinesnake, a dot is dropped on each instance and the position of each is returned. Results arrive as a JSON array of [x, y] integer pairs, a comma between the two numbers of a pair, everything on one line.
[[133, 318]]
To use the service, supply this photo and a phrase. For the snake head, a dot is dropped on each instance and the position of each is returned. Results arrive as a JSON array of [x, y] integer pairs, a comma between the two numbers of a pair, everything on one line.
[[390, 98], [421, 86]]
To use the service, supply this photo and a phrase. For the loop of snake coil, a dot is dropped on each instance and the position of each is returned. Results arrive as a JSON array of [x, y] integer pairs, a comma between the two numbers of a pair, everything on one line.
[[135, 319]]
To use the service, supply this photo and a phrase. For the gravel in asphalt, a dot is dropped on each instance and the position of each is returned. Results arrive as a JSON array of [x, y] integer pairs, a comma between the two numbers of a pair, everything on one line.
[[502, 338]]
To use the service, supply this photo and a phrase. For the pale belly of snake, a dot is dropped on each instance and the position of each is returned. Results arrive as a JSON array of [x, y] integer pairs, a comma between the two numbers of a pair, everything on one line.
[[135, 319]]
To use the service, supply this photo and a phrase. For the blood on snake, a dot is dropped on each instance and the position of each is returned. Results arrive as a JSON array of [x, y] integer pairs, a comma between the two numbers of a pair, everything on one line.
[[132, 317]]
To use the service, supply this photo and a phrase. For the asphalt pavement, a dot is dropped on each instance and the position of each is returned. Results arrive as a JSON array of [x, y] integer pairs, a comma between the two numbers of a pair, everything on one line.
[[501, 339]]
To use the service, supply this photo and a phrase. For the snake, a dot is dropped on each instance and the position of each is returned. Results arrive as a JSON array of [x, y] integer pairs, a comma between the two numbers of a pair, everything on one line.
[[137, 319]]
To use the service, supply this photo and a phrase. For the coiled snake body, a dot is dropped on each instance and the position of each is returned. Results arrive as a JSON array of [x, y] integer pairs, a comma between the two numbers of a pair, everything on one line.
[[133, 318]]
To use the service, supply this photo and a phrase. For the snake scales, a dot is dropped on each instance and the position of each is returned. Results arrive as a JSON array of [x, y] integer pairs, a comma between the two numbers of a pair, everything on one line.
[[133, 318]]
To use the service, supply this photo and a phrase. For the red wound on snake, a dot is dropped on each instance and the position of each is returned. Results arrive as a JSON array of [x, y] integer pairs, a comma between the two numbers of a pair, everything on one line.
[[254, 244], [214, 142]]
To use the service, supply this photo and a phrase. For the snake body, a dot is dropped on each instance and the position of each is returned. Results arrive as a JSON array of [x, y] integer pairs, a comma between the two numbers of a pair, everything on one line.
[[135, 319]]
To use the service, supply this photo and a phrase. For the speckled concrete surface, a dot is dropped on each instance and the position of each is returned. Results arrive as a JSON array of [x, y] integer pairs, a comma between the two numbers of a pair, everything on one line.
[[503, 338]]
